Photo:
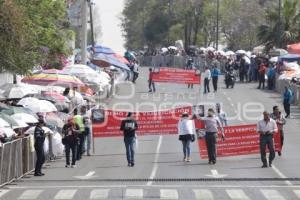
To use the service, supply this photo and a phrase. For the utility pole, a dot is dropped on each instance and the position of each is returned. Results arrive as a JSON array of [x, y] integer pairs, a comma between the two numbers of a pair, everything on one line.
[[217, 28], [91, 22], [279, 24], [83, 31], [169, 21]]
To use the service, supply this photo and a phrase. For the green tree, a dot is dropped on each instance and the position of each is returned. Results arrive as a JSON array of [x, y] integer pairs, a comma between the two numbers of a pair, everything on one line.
[[280, 32], [32, 33]]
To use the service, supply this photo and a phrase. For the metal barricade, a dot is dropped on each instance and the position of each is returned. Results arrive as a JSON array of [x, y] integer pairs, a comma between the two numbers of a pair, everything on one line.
[[5, 163]]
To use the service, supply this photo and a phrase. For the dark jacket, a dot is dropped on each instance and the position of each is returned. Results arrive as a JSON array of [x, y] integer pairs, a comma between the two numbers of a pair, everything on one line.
[[129, 126], [39, 136], [70, 132]]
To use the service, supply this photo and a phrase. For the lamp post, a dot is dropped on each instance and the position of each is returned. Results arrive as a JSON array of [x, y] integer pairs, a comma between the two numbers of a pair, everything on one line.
[[91, 22], [279, 24], [217, 28]]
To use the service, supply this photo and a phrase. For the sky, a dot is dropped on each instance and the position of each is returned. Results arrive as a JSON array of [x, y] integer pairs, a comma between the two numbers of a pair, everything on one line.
[[109, 12]]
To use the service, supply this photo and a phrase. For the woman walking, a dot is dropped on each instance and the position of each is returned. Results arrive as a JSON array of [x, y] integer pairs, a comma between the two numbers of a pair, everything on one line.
[[186, 131]]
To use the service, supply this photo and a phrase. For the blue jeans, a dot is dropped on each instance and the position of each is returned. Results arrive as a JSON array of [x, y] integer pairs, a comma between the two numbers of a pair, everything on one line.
[[129, 144], [186, 148]]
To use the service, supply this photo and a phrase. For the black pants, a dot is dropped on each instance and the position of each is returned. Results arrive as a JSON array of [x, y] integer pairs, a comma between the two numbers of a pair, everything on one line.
[[271, 82], [206, 85], [287, 107], [40, 158], [80, 149], [215, 83], [191, 86], [69, 148], [281, 137], [267, 140], [261, 81], [151, 86], [211, 141]]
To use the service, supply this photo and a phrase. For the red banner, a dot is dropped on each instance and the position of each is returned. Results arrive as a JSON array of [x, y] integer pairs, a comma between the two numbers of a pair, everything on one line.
[[149, 123], [239, 140], [173, 75]]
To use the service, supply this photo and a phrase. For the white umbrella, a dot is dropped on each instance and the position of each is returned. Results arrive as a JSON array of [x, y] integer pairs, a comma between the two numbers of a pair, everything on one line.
[[210, 49], [164, 49], [21, 124], [274, 59], [27, 118], [31, 130], [172, 47], [9, 132], [202, 49], [3, 123], [37, 105], [17, 91], [241, 51]]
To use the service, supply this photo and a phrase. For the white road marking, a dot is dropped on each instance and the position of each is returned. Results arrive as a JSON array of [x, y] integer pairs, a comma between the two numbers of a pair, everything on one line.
[[30, 194], [168, 194], [203, 194], [134, 193], [215, 174], [237, 195], [155, 166], [65, 194], [99, 194], [272, 195], [3, 192], [91, 173], [280, 174], [154, 186], [297, 193]]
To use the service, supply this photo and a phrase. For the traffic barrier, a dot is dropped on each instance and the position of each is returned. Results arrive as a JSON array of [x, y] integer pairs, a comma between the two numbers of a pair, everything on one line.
[[17, 158]]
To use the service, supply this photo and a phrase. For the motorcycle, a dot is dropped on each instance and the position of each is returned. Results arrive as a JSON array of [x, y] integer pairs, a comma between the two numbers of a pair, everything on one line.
[[229, 79]]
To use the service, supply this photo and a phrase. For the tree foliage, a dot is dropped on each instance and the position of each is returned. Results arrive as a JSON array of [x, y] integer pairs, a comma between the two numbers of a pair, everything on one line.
[[157, 23], [32, 32], [284, 30]]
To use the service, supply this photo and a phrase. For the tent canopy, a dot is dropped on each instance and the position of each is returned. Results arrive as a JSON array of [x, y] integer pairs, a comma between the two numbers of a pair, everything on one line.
[[289, 57]]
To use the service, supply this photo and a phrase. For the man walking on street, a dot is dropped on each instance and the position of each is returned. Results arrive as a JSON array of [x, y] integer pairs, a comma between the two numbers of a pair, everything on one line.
[[212, 124], [78, 119], [266, 128], [280, 120], [287, 98], [215, 74], [39, 139], [150, 81], [207, 77], [129, 126]]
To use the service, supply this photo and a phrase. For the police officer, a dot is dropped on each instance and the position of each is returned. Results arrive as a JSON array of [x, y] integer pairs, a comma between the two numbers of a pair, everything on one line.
[[39, 139]]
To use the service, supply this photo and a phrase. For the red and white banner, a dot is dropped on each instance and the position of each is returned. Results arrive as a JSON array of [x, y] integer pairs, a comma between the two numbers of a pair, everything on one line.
[[173, 75], [239, 140], [149, 123]]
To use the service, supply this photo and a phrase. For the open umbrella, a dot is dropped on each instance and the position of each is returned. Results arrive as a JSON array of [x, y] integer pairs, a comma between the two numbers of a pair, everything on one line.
[[54, 78], [17, 91], [277, 52], [37, 105], [31, 130], [9, 119], [53, 119], [17, 109], [294, 48], [210, 49], [241, 51], [3, 106], [27, 118], [100, 49], [106, 60], [121, 58], [3, 123]]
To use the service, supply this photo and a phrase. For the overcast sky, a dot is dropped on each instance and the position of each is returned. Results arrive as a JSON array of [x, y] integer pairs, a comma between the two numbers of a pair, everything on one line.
[[110, 11]]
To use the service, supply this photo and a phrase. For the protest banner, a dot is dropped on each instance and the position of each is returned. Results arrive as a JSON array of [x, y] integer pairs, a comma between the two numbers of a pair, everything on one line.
[[239, 140], [149, 123], [180, 76]]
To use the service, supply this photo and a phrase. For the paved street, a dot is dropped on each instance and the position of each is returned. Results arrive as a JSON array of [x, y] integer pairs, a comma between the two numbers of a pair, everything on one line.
[[105, 174]]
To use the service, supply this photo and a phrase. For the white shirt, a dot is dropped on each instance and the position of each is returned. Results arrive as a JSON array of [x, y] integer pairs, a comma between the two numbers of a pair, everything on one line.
[[222, 118], [186, 126], [207, 74], [270, 126], [212, 124]]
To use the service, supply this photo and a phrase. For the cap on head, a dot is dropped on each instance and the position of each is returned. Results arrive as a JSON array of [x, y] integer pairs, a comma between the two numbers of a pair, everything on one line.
[[185, 114]]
